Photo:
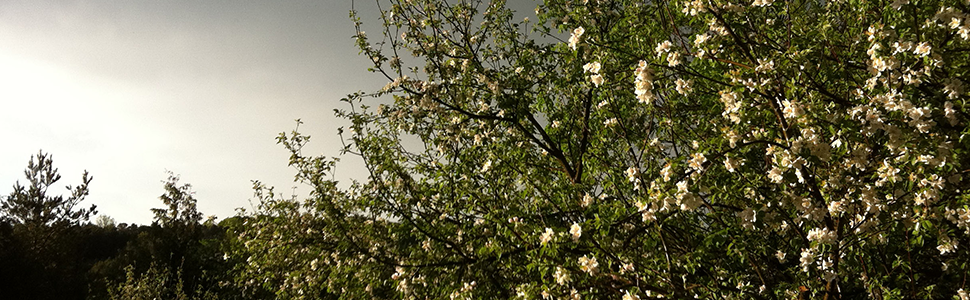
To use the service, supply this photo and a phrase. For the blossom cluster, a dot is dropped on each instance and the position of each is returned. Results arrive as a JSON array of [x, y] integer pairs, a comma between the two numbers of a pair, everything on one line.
[[744, 137]]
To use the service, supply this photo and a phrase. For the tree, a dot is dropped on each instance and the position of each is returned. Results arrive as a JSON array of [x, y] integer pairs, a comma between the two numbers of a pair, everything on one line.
[[104, 221], [641, 149], [181, 204], [45, 238], [32, 205], [176, 257]]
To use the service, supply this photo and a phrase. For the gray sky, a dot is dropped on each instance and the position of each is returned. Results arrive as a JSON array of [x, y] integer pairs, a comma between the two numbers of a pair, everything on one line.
[[129, 89]]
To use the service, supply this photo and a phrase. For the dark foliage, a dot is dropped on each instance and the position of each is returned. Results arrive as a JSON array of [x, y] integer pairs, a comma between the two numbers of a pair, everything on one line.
[[48, 250]]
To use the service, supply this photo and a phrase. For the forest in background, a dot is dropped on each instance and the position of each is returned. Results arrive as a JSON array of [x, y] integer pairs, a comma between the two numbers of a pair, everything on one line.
[[50, 249]]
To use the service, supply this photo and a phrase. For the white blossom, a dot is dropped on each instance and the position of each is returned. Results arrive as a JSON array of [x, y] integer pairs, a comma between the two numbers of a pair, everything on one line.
[[628, 296], [487, 166], [732, 106], [663, 47], [561, 276], [589, 264], [593, 67], [822, 235], [643, 84], [546, 236], [684, 86], [587, 200], [761, 3], [694, 7], [697, 161], [923, 49], [673, 59], [792, 109], [574, 38], [731, 163], [632, 173], [665, 172], [807, 259], [610, 122], [947, 244], [576, 231], [836, 208]]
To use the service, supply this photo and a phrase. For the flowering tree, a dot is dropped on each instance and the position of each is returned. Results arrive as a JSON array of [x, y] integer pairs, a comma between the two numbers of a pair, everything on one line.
[[642, 149]]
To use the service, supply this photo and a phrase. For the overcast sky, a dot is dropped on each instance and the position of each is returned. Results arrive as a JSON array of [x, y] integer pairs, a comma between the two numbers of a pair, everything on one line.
[[129, 89]]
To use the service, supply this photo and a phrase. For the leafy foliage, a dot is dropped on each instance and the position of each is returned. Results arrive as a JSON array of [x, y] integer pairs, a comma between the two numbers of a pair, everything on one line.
[[51, 254], [640, 149], [153, 284], [181, 204], [598, 149], [178, 256]]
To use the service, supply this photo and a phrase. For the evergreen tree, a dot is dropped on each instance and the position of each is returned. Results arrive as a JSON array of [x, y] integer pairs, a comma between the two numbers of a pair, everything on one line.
[[44, 244], [32, 206]]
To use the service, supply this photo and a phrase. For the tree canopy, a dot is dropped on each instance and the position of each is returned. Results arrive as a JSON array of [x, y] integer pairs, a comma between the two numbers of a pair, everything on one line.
[[642, 149], [33, 206], [181, 204], [49, 250]]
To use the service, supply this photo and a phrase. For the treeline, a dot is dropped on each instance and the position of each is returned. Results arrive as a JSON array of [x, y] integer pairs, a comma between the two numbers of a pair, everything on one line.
[[49, 249], [87, 261]]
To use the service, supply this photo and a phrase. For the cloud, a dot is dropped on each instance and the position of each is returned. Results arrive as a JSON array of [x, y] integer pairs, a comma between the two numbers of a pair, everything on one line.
[[130, 89]]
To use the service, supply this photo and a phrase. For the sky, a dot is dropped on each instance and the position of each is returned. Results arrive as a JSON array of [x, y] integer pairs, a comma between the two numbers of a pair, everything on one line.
[[129, 89]]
